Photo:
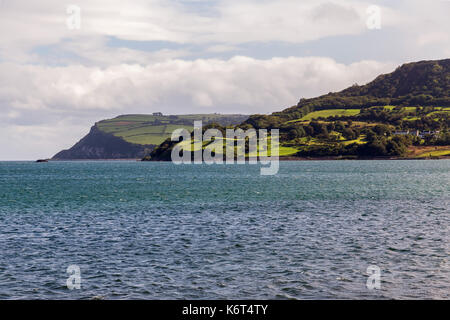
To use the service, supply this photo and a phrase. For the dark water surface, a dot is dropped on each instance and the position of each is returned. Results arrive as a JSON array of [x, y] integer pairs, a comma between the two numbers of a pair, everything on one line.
[[156, 230]]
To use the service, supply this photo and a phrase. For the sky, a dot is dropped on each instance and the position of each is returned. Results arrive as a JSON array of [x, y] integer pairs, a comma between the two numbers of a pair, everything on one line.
[[64, 66]]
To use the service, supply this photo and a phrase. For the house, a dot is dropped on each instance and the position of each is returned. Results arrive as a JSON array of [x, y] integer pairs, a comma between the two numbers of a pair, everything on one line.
[[403, 133], [416, 133], [157, 114], [423, 134]]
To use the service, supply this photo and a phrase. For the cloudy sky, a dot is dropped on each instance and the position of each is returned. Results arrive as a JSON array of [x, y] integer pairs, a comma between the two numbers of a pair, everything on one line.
[[61, 71]]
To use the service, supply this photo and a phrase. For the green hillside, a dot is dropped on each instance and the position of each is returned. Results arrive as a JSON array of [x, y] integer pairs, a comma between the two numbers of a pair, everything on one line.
[[153, 130], [347, 133], [391, 116], [397, 115], [136, 135]]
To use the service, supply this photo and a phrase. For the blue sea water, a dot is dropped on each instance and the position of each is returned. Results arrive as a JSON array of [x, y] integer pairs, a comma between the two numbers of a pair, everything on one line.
[[143, 230]]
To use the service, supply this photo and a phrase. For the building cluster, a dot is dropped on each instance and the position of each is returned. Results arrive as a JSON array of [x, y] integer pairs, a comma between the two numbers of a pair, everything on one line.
[[417, 133]]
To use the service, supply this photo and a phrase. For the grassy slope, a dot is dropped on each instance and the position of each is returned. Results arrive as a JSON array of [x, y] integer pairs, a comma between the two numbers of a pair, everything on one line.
[[428, 151], [424, 83], [149, 129], [410, 113], [329, 113], [324, 114], [289, 149]]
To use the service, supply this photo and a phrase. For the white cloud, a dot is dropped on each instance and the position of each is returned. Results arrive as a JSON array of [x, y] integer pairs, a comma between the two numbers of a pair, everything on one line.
[[222, 48], [433, 38], [95, 51], [38, 141], [26, 27], [259, 85], [231, 22]]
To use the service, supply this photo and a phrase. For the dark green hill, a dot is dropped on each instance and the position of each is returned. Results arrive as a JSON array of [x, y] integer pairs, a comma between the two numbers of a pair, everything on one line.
[[418, 84]]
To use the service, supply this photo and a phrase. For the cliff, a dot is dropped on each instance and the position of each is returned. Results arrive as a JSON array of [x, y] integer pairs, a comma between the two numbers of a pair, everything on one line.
[[101, 145]]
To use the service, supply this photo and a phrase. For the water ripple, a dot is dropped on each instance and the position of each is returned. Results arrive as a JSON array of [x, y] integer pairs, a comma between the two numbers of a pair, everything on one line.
[[159, 231]]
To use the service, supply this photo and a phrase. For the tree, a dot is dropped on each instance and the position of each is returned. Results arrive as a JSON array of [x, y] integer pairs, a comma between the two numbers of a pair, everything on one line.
[[349, 134]]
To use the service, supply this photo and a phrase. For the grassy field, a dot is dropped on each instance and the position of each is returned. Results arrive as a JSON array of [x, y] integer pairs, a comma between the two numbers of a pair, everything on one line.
[[282, 150], [153, 130], [434, 153], [420, 152], [329, 113], [360, 140], [411, 118], [409, 114], [440, 112]]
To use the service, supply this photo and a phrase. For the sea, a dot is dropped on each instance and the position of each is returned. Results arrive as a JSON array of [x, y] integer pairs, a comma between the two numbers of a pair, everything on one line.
[[155, 230]]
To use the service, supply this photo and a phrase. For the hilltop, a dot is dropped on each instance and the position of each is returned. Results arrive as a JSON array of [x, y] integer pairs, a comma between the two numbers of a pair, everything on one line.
[[417, 84], [134, 136]]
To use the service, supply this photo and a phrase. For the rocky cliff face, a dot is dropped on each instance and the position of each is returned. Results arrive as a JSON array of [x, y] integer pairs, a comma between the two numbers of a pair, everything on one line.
[[100, 145]]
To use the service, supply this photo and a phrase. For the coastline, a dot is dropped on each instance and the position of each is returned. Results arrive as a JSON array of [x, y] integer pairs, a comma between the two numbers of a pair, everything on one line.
[[280, 159], [365, 158]]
